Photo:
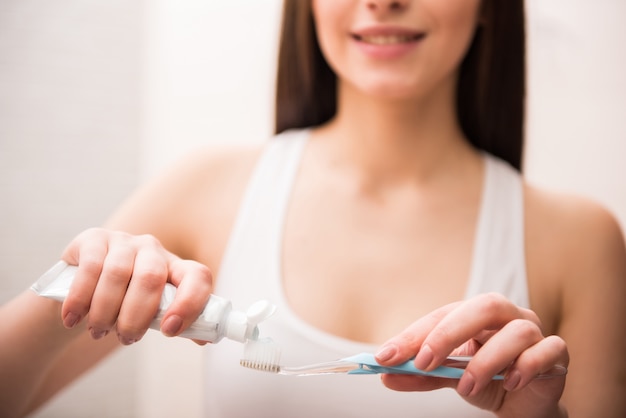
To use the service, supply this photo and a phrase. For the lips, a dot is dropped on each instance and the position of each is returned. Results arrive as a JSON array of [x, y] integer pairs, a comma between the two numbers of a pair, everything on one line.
[[387, 36], [388, 39], [386, 43]]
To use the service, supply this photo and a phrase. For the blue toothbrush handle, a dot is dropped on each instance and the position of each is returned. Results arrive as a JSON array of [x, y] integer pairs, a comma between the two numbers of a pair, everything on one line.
[[369, 365]]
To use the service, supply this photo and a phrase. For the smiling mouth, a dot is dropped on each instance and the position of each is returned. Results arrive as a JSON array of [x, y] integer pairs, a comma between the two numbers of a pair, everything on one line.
[[388, 39]]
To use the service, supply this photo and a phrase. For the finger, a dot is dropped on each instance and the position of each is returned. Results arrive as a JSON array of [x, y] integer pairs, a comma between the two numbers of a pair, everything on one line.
[[468, 320], [75, 248], [89, 256], [143, 296], [405, 345], [194, 283], [410, 383], [497, 354], [548, 356], [111, 288]]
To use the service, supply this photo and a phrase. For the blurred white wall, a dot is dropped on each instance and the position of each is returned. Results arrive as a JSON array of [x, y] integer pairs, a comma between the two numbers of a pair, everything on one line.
[[70, 104], [96, 97], [577, 99], [209, 75]]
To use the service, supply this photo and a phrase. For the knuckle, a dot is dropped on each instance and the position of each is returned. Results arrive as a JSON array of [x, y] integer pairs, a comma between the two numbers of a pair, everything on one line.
[[148, 240], [94, 234], [204, 273], [440, 337], [199, 271], [477, 366], [405, 339], [151, 279], [531, 316], [496, 307], [527, 330], [559, 345], [91, 265], [89, 233], [558, 342], [493, 301], [530, 363], [116, 271]]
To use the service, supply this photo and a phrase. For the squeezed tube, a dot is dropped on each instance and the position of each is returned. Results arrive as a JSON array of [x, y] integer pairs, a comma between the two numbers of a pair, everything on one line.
[[217, 320]]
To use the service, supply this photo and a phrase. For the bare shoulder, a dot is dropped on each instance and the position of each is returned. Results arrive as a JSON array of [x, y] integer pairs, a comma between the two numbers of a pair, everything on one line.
[[191, 205], [569, 238], [214, 168], [569, 225]]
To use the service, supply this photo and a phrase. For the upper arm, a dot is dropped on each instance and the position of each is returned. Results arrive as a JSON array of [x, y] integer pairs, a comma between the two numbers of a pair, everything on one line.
[[579, 253], [594, 309]]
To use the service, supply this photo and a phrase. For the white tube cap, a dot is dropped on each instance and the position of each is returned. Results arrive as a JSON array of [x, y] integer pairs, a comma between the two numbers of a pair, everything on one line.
[[243, 326]]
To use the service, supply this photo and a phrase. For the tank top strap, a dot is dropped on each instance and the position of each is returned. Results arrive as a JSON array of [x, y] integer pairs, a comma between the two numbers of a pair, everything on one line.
[[254, 242], [499, 263]]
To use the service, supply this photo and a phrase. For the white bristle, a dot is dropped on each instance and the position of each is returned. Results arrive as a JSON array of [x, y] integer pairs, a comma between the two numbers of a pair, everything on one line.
[[262, 355]]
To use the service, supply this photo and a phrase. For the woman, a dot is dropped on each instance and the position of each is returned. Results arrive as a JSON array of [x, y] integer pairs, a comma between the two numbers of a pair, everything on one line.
[[390, 195]]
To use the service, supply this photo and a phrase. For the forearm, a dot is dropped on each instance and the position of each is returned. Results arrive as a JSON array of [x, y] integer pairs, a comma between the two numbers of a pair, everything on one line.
[[32, 338]]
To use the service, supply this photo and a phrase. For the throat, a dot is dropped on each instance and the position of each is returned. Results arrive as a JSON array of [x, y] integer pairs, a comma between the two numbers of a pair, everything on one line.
[[382, 157]]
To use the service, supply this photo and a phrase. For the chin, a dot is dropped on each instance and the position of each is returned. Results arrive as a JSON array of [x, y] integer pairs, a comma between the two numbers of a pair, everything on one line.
[[390, 91], [407, 87], [388, 86]]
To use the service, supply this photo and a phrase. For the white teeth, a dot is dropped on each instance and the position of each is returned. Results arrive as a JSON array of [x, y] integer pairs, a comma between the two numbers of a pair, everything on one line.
[[386, 39]]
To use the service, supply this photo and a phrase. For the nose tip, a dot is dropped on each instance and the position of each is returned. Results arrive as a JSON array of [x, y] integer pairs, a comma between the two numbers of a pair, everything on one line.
[[386, 5]]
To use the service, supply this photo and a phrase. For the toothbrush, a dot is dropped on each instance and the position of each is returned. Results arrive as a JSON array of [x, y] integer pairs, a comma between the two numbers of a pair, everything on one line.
[[264, 355]]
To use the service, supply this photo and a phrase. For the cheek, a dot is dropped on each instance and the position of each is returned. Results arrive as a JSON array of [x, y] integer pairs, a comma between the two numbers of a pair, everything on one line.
[[458, 10], [457, 18], [456, 22], [465, 26], [331, 39]]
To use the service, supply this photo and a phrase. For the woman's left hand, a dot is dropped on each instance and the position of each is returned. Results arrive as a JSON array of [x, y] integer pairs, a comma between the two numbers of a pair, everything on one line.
[[500, 336]]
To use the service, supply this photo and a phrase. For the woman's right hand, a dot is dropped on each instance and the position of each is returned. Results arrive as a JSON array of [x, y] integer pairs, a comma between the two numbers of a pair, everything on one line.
[[119, 282]]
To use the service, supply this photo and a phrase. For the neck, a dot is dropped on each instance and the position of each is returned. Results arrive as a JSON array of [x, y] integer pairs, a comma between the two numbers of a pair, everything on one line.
[[393, 139]]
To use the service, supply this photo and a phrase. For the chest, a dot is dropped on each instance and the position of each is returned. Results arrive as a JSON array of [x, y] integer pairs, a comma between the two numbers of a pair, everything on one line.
[[364, 269], [357, 268]]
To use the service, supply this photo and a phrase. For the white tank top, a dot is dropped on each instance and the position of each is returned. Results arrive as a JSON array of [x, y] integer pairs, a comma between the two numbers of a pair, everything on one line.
[[250, 271]]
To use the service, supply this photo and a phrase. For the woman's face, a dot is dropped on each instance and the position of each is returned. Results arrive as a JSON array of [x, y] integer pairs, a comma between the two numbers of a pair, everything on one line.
[[395, 49]]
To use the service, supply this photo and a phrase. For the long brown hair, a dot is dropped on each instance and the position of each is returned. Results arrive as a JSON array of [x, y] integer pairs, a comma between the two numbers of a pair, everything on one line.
[[490, 93]]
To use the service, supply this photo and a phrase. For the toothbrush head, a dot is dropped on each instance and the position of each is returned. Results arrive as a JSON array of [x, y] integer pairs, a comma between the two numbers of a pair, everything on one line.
[[262, 354]]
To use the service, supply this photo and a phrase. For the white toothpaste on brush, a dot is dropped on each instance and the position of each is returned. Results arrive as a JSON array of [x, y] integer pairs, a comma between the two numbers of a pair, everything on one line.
[[217, 320]]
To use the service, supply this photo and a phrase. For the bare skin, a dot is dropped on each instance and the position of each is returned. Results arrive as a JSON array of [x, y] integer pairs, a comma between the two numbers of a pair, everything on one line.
[[392, 178]]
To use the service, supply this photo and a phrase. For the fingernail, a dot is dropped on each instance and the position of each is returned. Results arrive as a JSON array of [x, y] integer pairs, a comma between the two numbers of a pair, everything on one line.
[[512, 380], [70, 320], [97, 333], [466, 384], [172, 325], [126, 340], [386, 352], [424, 357]]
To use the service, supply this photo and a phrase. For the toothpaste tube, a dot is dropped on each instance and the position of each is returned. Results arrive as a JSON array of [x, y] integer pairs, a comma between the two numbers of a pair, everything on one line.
[[217, 320]]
